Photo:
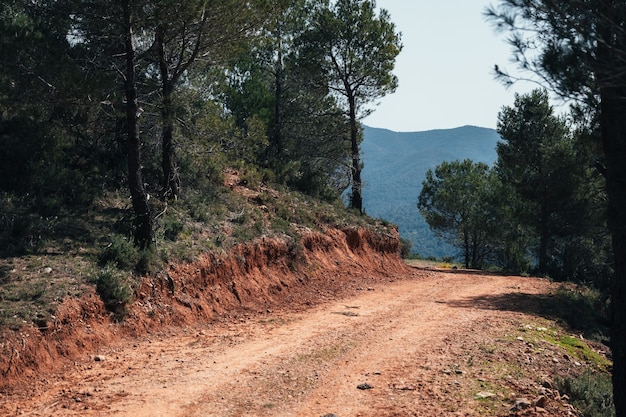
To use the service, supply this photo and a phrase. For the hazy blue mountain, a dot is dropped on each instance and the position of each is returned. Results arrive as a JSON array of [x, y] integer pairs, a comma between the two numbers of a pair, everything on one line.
[[395, 166]]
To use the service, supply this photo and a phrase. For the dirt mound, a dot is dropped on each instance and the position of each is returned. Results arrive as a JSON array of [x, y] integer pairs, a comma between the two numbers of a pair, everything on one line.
[[251, 278]]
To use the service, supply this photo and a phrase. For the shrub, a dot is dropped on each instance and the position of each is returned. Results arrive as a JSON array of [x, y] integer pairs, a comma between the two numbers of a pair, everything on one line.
[[119, 252], [172, 228], [115, 289], [405, 248], [148, 261], [591, 393], [252, 177]]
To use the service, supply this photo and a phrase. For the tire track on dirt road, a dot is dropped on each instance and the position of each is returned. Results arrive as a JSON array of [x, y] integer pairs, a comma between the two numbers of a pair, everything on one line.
[[292, 364]]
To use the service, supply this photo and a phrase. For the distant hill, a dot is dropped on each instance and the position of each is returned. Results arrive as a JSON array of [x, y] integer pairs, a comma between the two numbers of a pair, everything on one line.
[[395, 166]]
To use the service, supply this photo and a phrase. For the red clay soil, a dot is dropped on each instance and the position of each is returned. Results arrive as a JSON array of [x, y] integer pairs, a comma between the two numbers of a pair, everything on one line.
[[338, 326], [252, 277]]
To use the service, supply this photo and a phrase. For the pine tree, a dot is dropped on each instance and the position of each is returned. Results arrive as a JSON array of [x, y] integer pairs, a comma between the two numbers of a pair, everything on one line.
[[356, 50], [578, 47]]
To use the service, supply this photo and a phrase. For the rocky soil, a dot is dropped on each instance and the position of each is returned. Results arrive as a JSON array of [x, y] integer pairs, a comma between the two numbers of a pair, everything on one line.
[[340, 327]]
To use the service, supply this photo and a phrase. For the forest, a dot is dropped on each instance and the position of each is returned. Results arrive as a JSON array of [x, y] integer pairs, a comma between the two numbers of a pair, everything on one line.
[[576, 49], [540, 209], [158, 98], [150, 103]]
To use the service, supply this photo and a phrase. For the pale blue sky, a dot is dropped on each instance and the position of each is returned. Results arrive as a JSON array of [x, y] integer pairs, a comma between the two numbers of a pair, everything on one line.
[[445, 70]]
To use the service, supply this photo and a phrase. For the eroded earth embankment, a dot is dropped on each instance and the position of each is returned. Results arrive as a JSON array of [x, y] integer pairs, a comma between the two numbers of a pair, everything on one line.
[[253, 277]]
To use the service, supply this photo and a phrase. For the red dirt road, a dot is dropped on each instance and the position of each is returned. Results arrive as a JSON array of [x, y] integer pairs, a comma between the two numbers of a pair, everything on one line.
[[425, 345]]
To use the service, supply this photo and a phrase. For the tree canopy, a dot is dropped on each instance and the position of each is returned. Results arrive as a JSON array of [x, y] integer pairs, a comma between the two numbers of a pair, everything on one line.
[[453, 201], [356, 50], [536, 157], [577, 48], [538, 210], [144, 96]]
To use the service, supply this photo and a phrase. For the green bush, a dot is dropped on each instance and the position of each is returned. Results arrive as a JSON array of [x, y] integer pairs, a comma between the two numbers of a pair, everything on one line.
[[148, 261], [405, 248], [115, 290], [120, 252], [172, 228], [251, 177], [591, 393]]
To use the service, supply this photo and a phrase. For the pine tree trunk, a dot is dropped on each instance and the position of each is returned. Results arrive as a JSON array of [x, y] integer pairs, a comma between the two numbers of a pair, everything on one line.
[[141, 208], [613, 124], [613, 131], [276, 145], [544, 235], [171, 181], [357, 197]]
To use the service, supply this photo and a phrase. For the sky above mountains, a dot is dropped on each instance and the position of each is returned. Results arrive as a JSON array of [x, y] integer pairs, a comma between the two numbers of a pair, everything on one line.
[[445, 69]]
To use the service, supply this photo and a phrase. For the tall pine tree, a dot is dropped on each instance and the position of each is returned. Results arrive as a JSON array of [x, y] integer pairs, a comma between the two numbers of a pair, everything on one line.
[[578, 47], [357, 49]]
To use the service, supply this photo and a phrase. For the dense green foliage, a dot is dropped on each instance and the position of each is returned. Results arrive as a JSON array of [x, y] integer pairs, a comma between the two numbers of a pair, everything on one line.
[[157, 99], [305, 133], [454, 203], [577, 47], [558, 192], [539, 209]]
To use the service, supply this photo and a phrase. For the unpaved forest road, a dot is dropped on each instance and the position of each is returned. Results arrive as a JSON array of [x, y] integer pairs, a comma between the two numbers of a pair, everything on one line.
[[407, 339]]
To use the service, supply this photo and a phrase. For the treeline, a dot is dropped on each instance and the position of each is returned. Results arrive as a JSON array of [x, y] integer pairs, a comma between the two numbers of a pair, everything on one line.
[[577, 49], [156, 98], [540, 209]]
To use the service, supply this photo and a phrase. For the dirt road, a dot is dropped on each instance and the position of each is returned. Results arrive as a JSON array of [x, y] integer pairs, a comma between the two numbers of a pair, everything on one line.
[[430, 344]]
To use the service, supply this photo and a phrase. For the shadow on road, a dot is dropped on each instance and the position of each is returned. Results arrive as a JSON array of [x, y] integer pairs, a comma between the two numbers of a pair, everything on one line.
[[581, 313]]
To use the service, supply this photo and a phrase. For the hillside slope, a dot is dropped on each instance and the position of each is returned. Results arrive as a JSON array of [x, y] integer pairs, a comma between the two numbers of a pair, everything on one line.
[[395, 165], [319, 322], [256, 276]]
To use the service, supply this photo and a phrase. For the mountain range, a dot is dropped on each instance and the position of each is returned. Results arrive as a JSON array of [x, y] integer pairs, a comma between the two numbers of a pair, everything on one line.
[[395, 165]]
